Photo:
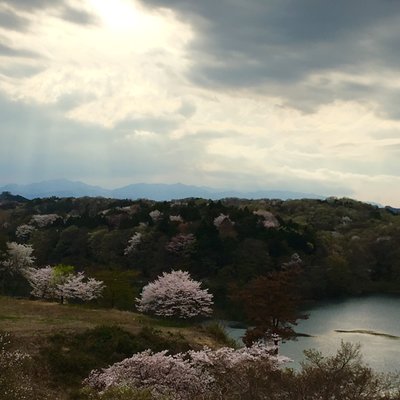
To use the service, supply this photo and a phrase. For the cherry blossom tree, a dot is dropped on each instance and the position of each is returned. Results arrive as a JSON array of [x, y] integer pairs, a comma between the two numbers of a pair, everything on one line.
[[133, 243], [187, 375], [24, 231], [222, 218], [181, 244], [175, 294], [42, 220], [42, 282], [268, 219], [155, 215], [79, 287], [62, 284], [175, 218], [18, 258], [164, 374]]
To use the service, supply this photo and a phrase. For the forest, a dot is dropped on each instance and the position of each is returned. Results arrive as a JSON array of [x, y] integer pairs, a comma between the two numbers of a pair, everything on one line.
[[346, 247]]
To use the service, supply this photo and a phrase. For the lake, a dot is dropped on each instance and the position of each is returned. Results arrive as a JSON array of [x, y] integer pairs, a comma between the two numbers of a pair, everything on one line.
[[379, 314]]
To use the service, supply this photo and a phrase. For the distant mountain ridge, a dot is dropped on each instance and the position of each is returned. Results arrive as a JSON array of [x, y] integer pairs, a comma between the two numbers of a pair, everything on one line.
[[152, 191]]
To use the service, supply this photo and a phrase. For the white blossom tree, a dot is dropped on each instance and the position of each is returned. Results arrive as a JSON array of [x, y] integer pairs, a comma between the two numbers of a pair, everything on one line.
[[24, 231], [42, 282], [181, 244], [165, 375], [155, 215], [186, 375], [42, 220], [222, 218], [49, 283], [18, 258], [175, 218], [133, 243], [79, 287], [268, 219], [175, 294]]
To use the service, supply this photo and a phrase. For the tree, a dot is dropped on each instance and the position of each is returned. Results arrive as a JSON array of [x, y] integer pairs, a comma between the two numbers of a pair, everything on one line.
[[133, 243], [182, 244], [343, 376], [271, 302], [13, 269], [19, 258], [62, 283], [190, 375], [156, 215], [120, 288], [24, 231], [250, 373], [175, 294], [43, 220]]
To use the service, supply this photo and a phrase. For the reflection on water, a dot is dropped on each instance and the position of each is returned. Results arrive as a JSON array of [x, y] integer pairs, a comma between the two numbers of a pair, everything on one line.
[[375, 313]]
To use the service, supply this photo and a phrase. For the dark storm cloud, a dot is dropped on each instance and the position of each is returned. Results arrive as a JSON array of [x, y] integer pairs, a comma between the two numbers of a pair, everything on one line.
[[280, 43], [76, 16], [11, 21]]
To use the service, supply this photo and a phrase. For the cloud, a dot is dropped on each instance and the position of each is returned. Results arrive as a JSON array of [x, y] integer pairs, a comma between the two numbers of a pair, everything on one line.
[[46, 145], [10, 20], [9, 51], [18, 71], [294, 95], [154, 124], [278, 47], [77, 16], [31, 4]]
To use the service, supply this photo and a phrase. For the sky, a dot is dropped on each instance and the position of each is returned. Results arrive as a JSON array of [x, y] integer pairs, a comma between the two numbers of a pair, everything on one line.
[[299, 95]]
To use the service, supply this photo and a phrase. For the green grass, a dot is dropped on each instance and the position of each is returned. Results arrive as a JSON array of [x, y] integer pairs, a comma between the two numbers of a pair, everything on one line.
[[9, 318]]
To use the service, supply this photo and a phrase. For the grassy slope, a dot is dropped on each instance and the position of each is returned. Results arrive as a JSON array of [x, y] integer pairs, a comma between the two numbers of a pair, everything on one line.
[[32, 321]]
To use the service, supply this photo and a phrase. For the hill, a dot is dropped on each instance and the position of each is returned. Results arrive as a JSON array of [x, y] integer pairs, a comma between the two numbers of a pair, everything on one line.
[[65, 342], [158, 192]]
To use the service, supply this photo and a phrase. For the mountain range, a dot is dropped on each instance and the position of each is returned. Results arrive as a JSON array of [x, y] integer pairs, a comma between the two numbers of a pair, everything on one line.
[[153, 191]]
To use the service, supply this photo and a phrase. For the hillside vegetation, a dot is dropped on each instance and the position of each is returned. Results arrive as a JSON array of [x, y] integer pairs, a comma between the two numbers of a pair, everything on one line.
[[346, 247]]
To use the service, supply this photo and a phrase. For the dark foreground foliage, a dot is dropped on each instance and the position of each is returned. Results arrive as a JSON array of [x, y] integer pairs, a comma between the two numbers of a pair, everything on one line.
[[70, 357], [57, 372], [340, 377]]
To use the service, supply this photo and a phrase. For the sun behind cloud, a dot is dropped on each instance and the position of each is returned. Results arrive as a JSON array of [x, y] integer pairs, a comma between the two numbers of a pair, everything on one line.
[[124, 15]]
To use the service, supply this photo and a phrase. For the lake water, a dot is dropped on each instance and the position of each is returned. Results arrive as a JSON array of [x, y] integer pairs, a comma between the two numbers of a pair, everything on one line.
[[379, 314]]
